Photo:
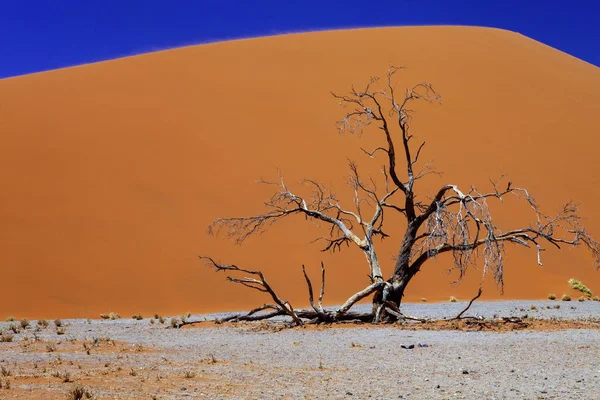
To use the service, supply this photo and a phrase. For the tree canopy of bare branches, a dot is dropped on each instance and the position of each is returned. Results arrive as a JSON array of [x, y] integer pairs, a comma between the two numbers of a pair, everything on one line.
[[453, 220]]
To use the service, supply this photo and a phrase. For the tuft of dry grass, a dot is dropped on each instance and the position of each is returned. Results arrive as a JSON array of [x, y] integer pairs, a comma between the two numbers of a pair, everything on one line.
[[25, 323], [137, 317], [5, 384], [211, 359], [551, 296], [14, 328], [423, 299], [51, 347], [10, 319], [111, 316], [453, 299], [79, 392], [565, 297], [175, 323], [58, 322], [60, 331], [582, 298], [5, 372], [65, 376], [189, 374]]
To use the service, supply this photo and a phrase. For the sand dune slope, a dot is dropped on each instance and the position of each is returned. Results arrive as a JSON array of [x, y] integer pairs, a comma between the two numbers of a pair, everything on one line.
[[111, 172]]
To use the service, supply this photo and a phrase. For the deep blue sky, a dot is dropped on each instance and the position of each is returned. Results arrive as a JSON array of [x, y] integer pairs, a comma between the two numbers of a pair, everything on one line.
[[49, 34]]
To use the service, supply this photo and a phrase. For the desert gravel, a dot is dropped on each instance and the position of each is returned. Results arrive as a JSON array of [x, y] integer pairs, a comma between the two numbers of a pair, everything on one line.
[[250, 361]]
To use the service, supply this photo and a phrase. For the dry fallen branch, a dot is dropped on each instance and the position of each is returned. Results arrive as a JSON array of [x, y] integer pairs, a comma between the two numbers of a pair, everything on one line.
[[261, 284], [460, 314]]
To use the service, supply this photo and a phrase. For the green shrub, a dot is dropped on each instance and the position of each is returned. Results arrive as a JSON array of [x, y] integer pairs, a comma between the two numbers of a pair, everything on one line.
[[578, 285]]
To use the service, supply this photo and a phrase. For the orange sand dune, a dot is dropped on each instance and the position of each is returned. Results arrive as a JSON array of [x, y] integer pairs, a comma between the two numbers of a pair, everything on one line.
[[111, 172]]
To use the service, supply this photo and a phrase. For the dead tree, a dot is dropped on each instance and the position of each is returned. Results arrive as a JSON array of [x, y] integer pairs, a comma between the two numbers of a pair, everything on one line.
[[453, 221]]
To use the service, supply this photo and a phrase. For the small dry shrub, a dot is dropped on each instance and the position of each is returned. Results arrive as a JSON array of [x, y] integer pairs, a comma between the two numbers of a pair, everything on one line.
[[6, 337], [14, 328], [10, 319], [565, 297], [137, 317], [175, 323], [60, 331], [161, 320], [42, 323], [551, 296], [453, 299], [25, 323], [582, 298], [51, 347], [58, 323], [423, 299]]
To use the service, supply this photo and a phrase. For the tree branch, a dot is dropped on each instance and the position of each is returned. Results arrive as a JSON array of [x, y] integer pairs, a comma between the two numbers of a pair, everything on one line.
[[260, 284]]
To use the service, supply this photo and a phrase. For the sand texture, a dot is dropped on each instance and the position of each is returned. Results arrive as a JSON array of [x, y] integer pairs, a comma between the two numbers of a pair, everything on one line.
[[111, 172]]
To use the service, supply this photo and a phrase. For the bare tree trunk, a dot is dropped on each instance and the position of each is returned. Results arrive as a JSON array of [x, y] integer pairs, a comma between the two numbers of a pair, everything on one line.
[[403, 273]]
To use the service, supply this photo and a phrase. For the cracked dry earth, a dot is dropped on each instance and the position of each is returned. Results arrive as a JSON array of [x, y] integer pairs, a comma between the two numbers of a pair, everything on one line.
[[131, 359]]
